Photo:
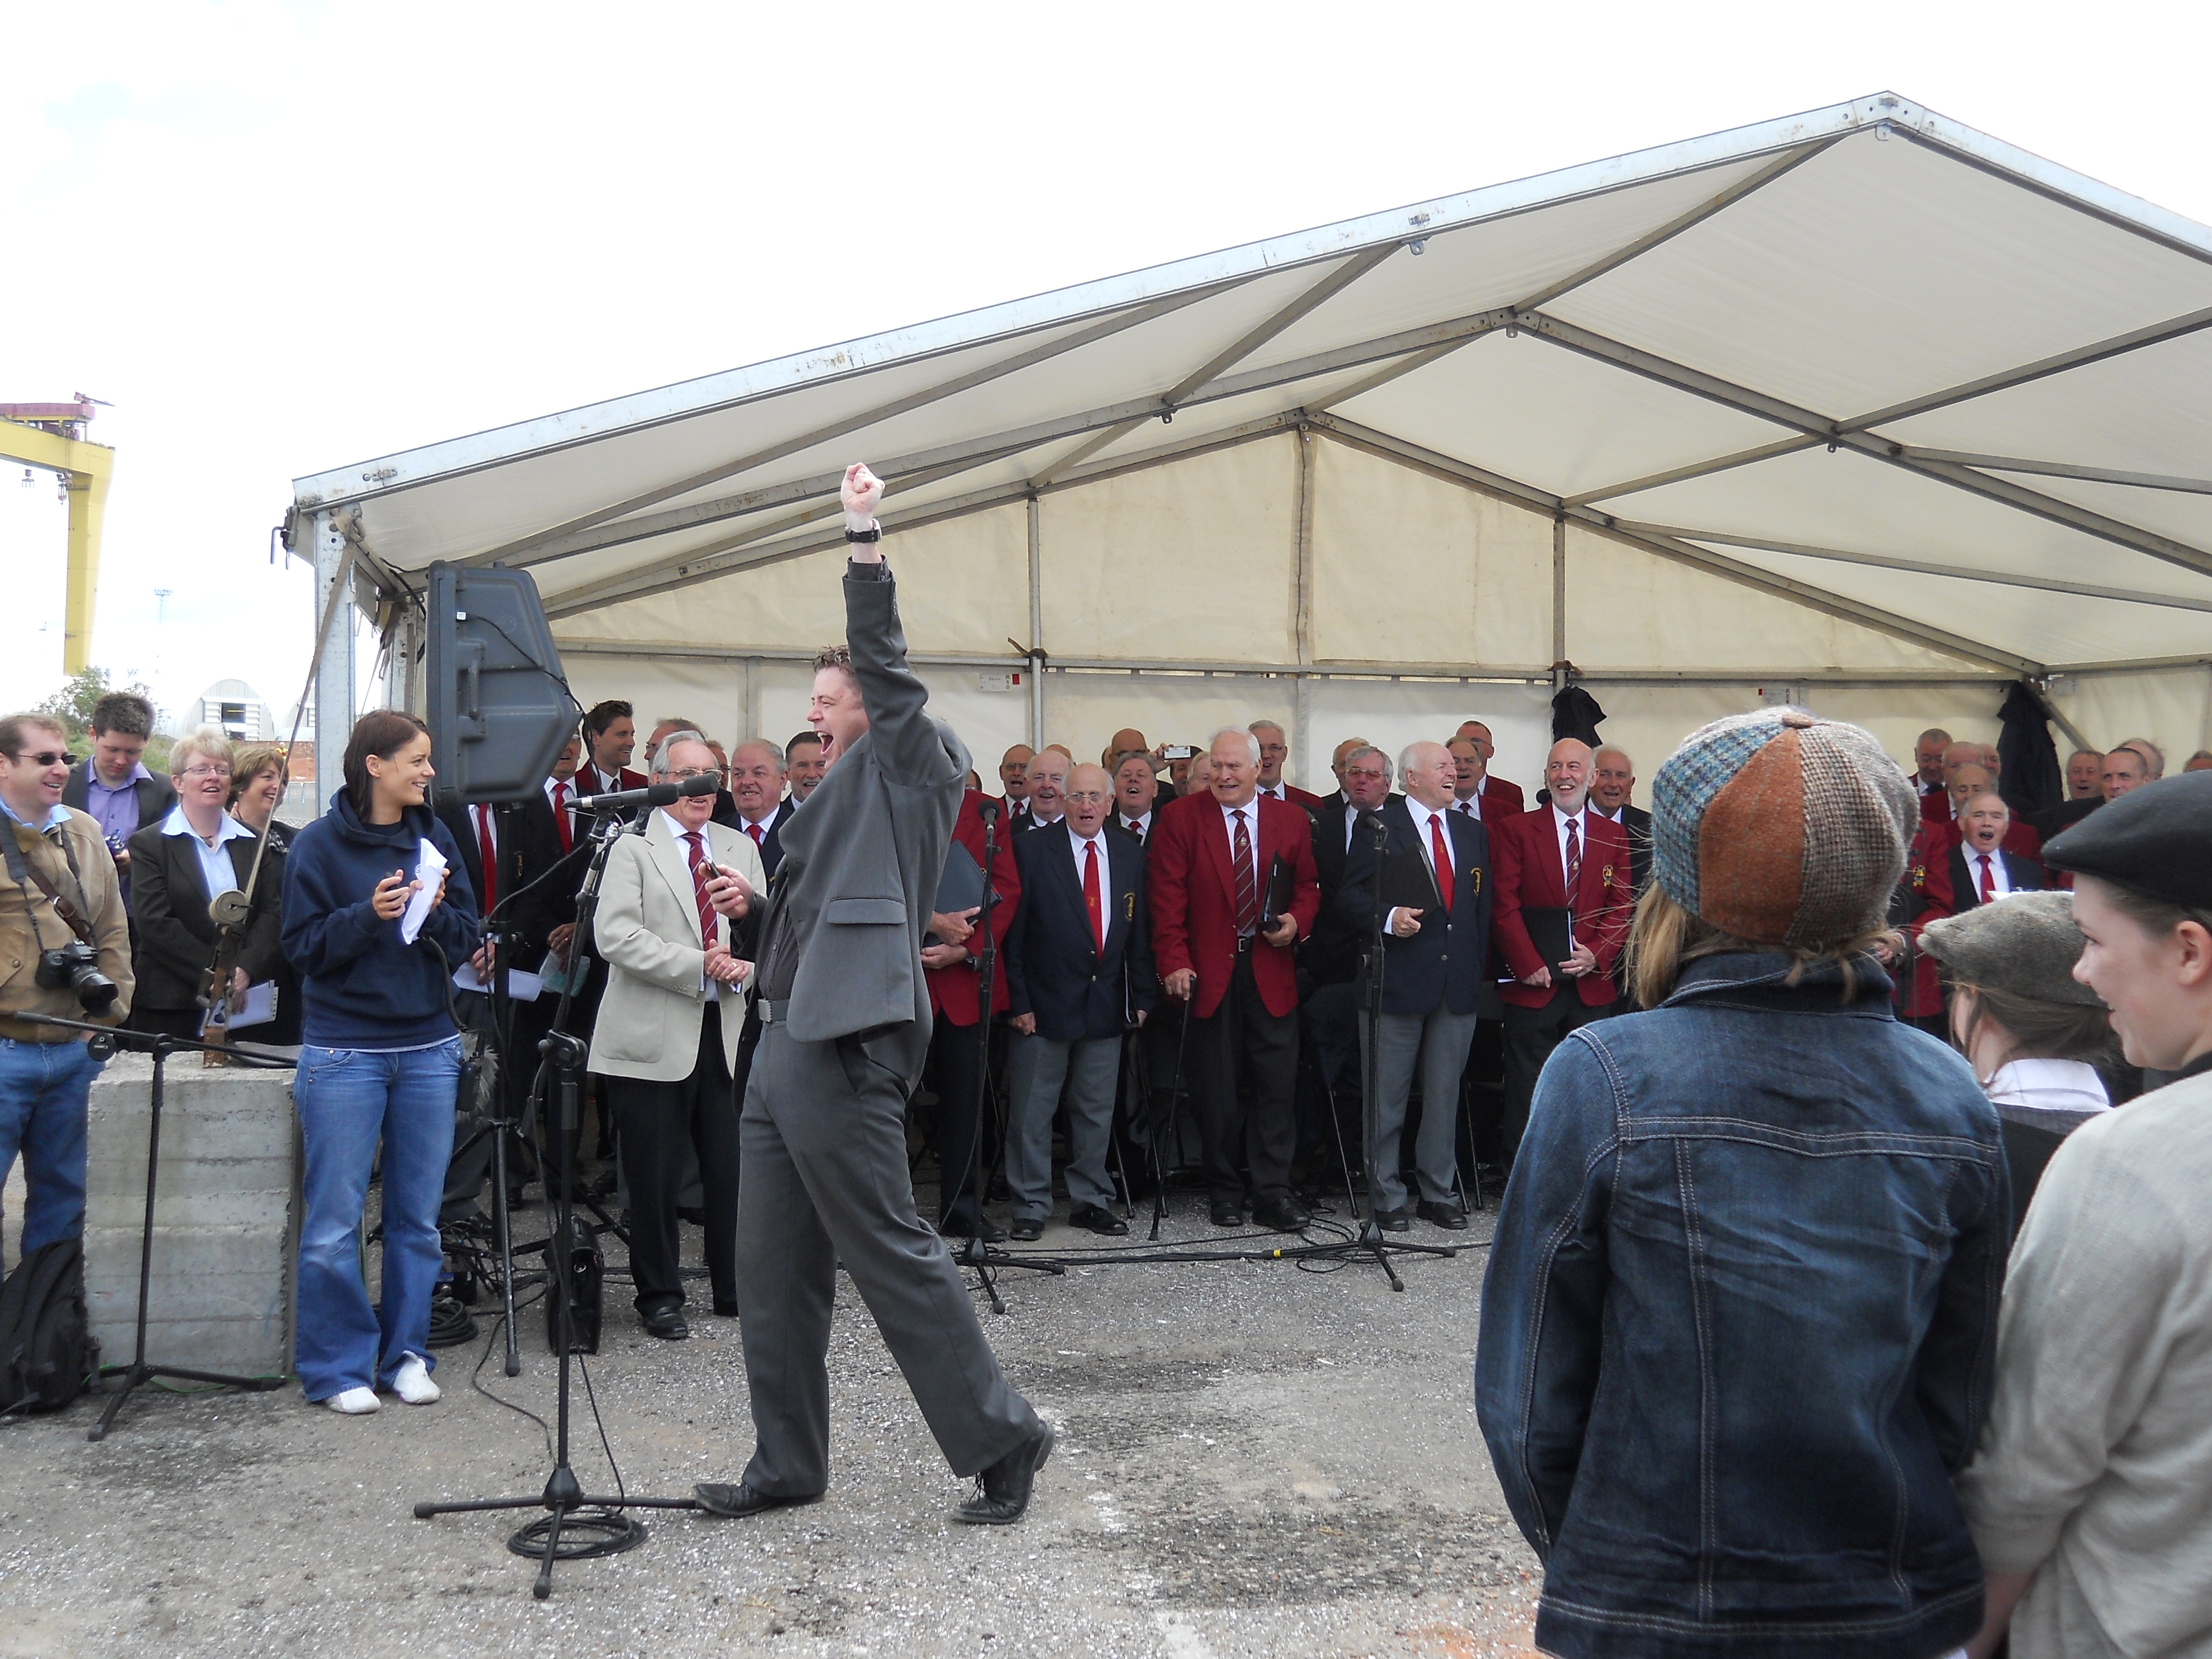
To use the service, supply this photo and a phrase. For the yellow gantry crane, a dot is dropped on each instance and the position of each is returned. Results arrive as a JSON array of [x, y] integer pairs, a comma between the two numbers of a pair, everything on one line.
[[52, 436]]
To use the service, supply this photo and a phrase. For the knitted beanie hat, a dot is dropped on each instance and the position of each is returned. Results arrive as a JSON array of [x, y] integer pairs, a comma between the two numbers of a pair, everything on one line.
[[2027, 944], [1782, 828]]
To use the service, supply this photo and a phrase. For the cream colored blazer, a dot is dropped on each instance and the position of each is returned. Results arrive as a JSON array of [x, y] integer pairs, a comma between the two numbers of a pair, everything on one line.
[[646, 930]]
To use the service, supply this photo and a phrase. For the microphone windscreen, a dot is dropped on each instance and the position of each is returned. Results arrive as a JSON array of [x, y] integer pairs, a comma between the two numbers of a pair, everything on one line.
[[705, 784], [988, 810]]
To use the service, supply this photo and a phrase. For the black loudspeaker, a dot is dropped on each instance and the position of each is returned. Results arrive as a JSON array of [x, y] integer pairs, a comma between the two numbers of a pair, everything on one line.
[[499, 705], [587, 1274]]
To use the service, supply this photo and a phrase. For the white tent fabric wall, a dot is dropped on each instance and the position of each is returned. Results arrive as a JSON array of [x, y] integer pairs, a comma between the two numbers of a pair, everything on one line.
[[1859, 402]]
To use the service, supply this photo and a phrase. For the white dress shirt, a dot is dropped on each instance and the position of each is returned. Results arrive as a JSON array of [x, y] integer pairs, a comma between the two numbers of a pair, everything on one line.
[[217, 871], [1075, 845], [2063, 1089], [1274, 790], [554, 788], [1139, 827], [1471, 807]]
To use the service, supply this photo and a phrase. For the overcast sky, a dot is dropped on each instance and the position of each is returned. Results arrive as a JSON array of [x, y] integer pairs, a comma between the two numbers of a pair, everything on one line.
[[279, 239]]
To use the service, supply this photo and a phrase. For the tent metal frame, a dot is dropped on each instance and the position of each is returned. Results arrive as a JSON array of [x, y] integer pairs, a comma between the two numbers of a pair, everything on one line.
[[776, 520]]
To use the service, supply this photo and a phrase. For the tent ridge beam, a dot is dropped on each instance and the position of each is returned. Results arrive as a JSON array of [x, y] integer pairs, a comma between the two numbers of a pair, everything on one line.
[[1711, 387], [1804, 593], [2067, 469], [1696, 470], [1918, 566]]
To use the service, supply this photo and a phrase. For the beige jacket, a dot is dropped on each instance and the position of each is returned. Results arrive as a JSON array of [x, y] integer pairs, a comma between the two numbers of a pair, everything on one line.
[[2098, 1450], [646, 930], [92, 888]]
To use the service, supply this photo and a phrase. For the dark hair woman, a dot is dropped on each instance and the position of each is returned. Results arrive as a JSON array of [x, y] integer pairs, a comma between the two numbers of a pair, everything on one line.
[[369, 887], [1743, 1294]]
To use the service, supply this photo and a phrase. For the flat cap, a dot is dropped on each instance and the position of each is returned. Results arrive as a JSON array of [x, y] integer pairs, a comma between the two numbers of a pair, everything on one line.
[[2155, 841], [2026, 944]]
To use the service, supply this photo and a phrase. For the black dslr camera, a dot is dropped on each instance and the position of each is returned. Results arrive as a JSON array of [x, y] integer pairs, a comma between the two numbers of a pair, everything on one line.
[[75, 967]]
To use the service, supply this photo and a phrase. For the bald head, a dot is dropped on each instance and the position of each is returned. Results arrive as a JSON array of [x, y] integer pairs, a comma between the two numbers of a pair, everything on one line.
[[1613, 779], [1966, 782], [1567, 774], [1090, 797]]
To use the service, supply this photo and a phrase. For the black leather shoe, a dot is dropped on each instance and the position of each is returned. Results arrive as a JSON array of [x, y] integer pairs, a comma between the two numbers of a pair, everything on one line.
[[1025, 1229], [1227, 1215], [738, 1501], [667, 1323], [1282, 1215], [1005, 1487], [1443, 1215], [1097, 1219], [1393, 1221]]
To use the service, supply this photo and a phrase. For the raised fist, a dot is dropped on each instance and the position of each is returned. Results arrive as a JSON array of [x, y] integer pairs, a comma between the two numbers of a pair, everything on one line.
[[861, 491]]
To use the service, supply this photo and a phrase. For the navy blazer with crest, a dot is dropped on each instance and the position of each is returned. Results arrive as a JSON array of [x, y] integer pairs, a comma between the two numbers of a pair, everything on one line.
[[1054, 967], [2026, 875], [1443, 964]]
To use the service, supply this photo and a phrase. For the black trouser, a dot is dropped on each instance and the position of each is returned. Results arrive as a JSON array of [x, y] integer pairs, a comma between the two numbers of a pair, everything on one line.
[[168, 1022], [659, 1120], [1531, 1034], [1266, 1134], [956, 1053]]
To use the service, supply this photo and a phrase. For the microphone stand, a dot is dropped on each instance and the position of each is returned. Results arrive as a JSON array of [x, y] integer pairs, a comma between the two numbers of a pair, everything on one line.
[[594, 1526], [160, 1047], [1369, 1241], [976, 1253]]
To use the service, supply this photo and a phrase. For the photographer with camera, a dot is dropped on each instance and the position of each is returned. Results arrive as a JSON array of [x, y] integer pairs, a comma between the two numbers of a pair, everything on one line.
[[65, 951]]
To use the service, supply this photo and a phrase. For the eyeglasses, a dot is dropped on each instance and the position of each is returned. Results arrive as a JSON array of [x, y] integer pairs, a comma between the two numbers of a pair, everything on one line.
[[47, 756], [1086, 797], [208, 771], [691, 772]]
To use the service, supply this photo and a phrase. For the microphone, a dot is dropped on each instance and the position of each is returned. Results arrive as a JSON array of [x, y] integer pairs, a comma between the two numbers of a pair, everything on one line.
[[653, 794], [988, 810]]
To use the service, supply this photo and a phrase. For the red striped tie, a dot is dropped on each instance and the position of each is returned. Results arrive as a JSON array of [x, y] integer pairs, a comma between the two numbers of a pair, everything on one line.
[[1574, 864], [700, 870], [488, 855], [1988, 886], [560, 815], [1247, 895]]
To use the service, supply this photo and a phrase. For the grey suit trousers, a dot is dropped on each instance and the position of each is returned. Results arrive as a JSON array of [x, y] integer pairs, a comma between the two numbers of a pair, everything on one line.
[[1037, 1068], [1438, 1041], [823, 1140]]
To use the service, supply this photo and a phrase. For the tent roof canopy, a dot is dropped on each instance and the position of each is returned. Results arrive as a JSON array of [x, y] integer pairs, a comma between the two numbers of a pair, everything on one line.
[[1864, 358]]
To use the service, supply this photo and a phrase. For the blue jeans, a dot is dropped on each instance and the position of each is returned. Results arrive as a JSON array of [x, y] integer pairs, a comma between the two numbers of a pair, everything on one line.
[[349, 1099], [45, 1088]]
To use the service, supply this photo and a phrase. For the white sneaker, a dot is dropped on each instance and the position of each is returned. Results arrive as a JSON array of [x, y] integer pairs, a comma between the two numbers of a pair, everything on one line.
[[412, 1383], [354, 1402]]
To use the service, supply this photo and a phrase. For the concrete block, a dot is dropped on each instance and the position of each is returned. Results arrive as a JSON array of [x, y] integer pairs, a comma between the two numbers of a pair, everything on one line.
[[227, 1210]]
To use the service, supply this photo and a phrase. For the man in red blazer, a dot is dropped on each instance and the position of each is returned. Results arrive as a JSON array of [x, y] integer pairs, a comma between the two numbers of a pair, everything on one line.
[[1492, 798], [610, 733], [951, 966], [1208, 863], [1274, 749], [1531, 856]]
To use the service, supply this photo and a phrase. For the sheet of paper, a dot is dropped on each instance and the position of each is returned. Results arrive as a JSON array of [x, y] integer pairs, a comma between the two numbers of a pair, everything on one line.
[[430, 865], [259, 1006], [521, 987]]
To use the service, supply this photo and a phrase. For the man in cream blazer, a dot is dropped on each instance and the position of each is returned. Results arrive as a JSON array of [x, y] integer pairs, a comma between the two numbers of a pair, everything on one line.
[[668, 1027]]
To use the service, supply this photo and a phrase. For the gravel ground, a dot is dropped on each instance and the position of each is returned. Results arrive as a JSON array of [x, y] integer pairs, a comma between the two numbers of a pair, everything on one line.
[[1254, 1460]]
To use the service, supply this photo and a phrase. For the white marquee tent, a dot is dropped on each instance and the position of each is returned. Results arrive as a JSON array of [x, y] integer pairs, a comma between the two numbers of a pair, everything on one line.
[[1860, 407]]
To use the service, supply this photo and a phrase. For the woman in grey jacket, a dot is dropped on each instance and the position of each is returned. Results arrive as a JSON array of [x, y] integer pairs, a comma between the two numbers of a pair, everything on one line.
[[1741, 1303]]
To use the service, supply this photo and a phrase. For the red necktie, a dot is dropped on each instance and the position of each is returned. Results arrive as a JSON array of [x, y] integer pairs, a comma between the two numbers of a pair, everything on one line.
[[1574, 864], [759, 835], [560, 815], [1093, 901], [1441, 854], [1136, 830], [700, 870], [1472, 810], [1247, 895], [1989, 887], [488, 853]]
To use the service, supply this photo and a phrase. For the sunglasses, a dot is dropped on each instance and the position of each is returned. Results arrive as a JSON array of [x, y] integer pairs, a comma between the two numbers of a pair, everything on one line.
[[47, 756]]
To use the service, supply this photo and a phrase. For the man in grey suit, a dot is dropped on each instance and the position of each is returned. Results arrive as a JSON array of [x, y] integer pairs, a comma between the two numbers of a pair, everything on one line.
[[845, 1023]]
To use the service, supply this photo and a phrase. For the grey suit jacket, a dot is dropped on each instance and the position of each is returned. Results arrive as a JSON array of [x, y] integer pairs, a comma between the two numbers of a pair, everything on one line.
[[862, 856]]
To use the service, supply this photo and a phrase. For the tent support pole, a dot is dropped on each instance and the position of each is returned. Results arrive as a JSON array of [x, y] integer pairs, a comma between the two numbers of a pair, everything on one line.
[[1558, 603], [749, 716], [1037, 622], [1302, 610], [334, 669]]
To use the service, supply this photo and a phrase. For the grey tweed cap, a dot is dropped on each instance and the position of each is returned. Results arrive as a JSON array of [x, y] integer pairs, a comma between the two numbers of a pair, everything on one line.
[[2027, 944]]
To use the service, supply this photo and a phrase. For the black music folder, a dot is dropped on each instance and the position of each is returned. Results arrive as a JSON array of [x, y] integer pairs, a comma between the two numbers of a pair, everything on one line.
[[1281, 885], [1409, 883], [960, 887], [1550, 930]]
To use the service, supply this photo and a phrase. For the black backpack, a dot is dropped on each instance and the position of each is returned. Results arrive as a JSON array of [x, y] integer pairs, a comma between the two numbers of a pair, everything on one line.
[[47, 1351]]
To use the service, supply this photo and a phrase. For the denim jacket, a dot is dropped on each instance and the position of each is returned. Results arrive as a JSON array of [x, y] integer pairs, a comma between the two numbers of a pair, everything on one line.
[[1740, 1321]]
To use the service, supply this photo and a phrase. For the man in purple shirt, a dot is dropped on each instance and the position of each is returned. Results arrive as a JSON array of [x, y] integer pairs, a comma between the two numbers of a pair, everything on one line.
[[113, 785]]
